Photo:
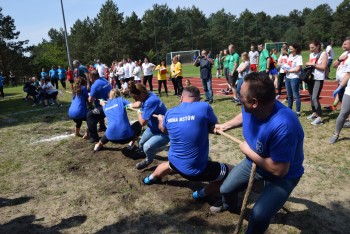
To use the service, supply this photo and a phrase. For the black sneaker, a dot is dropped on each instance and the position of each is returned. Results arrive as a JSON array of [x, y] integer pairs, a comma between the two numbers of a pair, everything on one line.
[[93, 140], [143, 164], [210, 101]]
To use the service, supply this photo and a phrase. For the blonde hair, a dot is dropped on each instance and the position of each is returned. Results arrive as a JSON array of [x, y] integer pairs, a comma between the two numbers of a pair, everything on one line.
[[114, 93], [244, 55]]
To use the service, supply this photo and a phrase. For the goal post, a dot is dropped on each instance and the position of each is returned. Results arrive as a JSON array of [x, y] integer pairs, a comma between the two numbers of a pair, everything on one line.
[[276, 45], [186, 56]]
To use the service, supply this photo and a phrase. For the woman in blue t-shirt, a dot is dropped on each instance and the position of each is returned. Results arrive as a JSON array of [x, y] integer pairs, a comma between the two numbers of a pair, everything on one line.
[[119, 129], [78, 108]]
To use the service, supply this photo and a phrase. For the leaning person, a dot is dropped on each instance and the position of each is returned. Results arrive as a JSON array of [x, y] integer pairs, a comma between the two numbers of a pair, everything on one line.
[[274, 142], [152, 139], [119, 129], [189, 150]]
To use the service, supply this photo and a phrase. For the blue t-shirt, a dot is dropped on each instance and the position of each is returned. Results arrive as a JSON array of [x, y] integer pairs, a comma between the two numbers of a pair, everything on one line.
[[53, 74], [280, 136], [188, 125], [118, 123], [80, 71], [100, 89], [78, 109], [153, 105], [61, 73], [43, 75], [1, 81]]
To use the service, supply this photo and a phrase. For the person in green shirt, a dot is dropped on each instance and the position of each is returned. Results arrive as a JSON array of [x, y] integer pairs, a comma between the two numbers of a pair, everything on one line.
[[232, 66], [264, 59], [225, 59]]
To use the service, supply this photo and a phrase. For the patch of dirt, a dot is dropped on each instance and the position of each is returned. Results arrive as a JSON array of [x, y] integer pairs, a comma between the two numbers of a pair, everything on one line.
[[72, 189]]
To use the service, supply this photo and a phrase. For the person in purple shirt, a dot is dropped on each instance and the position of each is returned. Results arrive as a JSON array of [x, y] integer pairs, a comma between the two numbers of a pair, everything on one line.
[[153, 138]]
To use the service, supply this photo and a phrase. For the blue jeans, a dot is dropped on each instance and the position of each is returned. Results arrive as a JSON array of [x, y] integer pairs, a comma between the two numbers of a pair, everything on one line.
[[207, 89], [239, 85], [275, 193], [292, 86], [150, 143]]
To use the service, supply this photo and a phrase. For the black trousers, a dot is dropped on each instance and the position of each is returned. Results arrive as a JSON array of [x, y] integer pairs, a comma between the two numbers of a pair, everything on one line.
[[79, 122], [160, 82], [55, 82], [2, 91], [149, 80], [93, 117]]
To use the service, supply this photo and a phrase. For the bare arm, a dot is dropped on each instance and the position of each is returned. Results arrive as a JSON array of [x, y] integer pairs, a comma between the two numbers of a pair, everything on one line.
[[160, 124], [233, 123], [279, 169]]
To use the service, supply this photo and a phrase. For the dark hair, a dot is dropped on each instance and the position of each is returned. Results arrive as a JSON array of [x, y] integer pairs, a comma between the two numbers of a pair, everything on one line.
[[260, 87], [162, 60], [192, 91], [317, 43], [94, 74], [138, 91], [297, 48]]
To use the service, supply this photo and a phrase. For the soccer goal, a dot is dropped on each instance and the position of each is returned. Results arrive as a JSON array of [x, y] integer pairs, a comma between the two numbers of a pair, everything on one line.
[[276, 45], [187, 56]]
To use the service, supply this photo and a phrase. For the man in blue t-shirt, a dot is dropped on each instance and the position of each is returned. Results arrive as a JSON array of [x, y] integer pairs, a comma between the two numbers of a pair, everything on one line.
[[2, 85], [188, 126], [54, 77], [99, 90], [43, 74], [81, 71], [274, 142], [61, 72]]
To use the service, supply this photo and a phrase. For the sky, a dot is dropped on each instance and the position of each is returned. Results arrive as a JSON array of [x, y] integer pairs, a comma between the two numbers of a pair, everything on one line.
[[34, 18]]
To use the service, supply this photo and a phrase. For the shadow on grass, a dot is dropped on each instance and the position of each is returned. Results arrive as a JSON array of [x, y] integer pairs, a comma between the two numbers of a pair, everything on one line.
[[316, 218], [182, 218], [25, 224], [14, 202]]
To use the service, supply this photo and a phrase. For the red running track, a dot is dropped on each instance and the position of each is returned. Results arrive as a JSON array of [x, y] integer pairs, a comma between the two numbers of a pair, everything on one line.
[[326, 98]]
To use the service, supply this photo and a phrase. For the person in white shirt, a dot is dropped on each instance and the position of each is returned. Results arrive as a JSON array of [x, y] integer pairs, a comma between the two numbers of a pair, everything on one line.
[[292, 70], [282, 61], [318, 60], [253, 58], [132, 66], [343, 64], [50, 92], [147, 69], [137, 72], [330, 56], [121, 74], [101, 68]]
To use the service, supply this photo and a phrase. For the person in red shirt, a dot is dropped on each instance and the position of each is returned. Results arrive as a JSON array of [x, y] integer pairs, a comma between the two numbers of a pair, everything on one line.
[[69, 75]]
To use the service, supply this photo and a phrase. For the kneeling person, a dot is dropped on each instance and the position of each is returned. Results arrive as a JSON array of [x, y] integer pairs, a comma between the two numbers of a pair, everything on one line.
[[188, 126], [119, 129]]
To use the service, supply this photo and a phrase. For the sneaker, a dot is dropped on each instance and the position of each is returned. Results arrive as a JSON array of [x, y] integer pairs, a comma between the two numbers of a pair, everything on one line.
[[131, 147], [60, 105], [93, 140], [298, 114], [197, 196], [217, 208], [333, 139], [97, 147], [143, 164], [148, 181], [236, 100], [317, 121], [34, 104], [210, 101], [346, 124], [52, 104], [311, 117]]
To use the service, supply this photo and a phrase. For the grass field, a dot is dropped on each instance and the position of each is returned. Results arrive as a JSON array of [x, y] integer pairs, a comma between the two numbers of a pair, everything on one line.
[[52, 185]]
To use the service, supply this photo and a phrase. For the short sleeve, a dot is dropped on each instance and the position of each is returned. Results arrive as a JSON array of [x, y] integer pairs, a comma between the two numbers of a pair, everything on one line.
[[299, 61]]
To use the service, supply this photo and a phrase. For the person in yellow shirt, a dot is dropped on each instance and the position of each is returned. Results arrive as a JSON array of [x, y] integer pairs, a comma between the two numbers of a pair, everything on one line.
[[162, 70], [176, 75]]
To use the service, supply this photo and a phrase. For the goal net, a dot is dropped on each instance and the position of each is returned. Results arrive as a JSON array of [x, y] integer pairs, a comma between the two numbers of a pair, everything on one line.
[[276, 45], [187, 56]]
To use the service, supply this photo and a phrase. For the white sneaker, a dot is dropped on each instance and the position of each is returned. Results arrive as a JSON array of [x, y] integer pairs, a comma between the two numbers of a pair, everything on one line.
[[317, 121], [97, 147], [311, 117]]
